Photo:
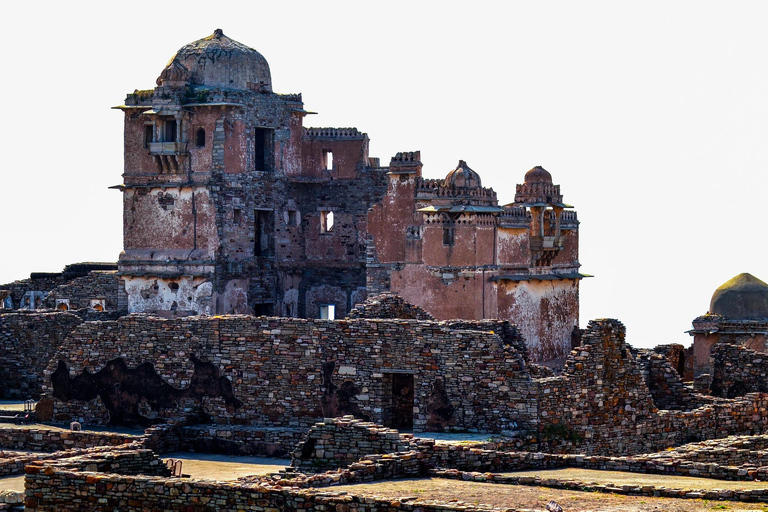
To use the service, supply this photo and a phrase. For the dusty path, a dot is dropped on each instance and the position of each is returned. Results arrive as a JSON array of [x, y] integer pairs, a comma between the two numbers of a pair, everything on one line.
[[535, 498]]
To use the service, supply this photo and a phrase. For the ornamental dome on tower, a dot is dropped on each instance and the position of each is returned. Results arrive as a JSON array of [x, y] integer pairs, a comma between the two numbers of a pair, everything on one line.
[[218, 61], [538, 175], [463, 177], [744, 297]]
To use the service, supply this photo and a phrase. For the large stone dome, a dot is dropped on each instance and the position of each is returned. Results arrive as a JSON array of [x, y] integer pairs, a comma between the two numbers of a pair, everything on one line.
[[744, 297], [218, 61]]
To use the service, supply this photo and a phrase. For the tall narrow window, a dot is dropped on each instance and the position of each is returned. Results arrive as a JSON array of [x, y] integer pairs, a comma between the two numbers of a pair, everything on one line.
[[448, 235], [170, 131], [327, 159], [261, 150], [200, 138], [149, 134], [326, 221], [237, 216], [293, 218], [262, 228]]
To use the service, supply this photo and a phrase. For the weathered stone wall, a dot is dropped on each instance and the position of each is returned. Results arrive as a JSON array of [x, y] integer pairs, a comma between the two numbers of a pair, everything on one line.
[[738, 370], [338, 442], [28, 341], [289, 372], [82, 290], [389, 305], [47, 440], [664, 382], [273, 372], [601, 404], [38, 282], [240, 440]]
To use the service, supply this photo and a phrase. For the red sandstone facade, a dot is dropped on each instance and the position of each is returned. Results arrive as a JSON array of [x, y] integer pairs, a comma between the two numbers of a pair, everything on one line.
[[231, 205]]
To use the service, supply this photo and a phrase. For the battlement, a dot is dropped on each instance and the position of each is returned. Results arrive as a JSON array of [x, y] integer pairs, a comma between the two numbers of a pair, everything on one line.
[[406, 157], [334, 134], [437, 189]]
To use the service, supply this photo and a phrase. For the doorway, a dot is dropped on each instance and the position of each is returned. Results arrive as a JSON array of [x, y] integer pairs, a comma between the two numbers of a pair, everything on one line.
[[398, 401]]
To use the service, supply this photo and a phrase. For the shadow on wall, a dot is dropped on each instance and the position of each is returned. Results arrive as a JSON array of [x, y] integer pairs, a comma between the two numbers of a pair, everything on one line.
[[122, 389]]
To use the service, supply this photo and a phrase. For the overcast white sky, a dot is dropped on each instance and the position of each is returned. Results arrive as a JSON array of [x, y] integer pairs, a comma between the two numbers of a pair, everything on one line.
[[652, 116]]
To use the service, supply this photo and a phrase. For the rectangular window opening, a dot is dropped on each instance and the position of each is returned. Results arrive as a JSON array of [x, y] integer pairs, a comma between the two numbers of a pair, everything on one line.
[[262, 155], [327, 159], [326, 221], [149, 134], [448, 236], [327, 312], [293, 218], [262, 228], [237, 216], [170, 130]]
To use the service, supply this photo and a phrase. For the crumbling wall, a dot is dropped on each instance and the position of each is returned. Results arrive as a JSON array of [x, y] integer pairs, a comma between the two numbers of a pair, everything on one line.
[[28, 341], [291, 372], [389, 305], [547, 312], [664, 382], [601, 391], [79, 292], [737, 371], [338, 442]]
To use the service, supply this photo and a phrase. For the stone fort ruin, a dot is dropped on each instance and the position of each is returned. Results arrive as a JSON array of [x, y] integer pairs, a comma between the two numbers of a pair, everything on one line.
[[276, 278]]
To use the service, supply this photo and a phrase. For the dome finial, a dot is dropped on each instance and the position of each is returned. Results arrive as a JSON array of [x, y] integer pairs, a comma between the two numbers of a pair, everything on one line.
[[218, 33]]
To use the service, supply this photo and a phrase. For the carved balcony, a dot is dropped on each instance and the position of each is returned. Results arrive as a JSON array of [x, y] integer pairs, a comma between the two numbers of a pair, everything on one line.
[[547, 242], [168, 148]]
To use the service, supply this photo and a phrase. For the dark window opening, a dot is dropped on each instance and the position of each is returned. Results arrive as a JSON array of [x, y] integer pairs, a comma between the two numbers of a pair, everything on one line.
[[237, 216], [262, 309], [293, 218], [262, 228], [149, 134], [262, 154], [288, 310], [200, 138], [448, 236], [170, 131]]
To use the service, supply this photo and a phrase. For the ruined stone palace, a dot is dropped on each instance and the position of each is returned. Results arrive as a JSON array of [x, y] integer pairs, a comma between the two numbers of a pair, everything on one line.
[[232, 205]]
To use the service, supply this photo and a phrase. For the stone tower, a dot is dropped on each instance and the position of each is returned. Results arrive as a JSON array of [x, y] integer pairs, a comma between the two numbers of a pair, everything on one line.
[[230, 204]]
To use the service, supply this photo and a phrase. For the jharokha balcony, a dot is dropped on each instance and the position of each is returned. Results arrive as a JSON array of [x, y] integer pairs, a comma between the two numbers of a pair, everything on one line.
[[169, 156], [167, 148]]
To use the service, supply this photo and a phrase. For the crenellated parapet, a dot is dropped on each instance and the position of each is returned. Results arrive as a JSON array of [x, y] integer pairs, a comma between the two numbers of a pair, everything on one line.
[[334, 134]]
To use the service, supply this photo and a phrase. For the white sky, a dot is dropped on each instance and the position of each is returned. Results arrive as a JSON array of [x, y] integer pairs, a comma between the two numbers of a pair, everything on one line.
[[652, 116]]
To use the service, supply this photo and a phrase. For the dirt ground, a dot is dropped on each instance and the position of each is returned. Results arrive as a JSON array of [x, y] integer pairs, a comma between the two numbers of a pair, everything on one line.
[[522, 497], [225, 467]]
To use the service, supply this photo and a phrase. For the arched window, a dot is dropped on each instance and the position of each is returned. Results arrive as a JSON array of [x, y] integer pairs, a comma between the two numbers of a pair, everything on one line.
[[200, 138]]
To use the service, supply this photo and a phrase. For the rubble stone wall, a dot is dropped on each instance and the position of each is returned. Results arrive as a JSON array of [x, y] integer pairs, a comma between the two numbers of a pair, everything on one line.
[[47, 440], [292, 372], [389, 305], [240, 440], [81, 290], [338, 442], [28, 341], [737, 370]]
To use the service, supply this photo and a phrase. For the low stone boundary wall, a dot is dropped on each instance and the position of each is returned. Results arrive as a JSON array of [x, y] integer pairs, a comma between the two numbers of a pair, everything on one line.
[[55, 490], [748, 495], [47, 440], [237, 440], [338, 442]]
